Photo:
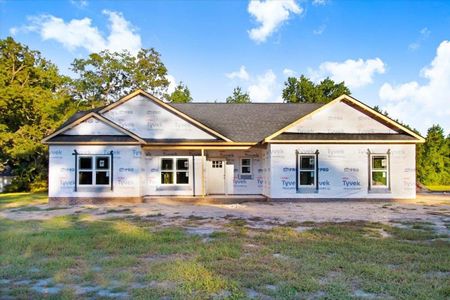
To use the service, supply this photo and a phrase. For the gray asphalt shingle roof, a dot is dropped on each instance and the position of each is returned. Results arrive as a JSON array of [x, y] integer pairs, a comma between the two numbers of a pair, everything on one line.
[[246, 122]]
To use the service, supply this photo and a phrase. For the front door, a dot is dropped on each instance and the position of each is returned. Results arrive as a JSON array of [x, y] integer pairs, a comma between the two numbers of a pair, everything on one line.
[[216, 177]]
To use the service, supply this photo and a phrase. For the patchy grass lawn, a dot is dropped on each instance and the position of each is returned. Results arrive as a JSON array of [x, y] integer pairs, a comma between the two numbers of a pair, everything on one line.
[[13, 200], [439, 188], [79, 257]]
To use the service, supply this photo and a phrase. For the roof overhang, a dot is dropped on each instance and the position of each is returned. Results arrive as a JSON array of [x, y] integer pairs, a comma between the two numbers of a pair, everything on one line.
[[200, 146]]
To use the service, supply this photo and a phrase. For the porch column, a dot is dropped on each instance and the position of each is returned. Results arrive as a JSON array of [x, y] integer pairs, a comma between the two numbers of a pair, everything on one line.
[[203, 173]]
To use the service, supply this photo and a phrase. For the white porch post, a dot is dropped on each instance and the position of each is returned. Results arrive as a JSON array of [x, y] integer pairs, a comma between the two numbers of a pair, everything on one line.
[[203, 174]]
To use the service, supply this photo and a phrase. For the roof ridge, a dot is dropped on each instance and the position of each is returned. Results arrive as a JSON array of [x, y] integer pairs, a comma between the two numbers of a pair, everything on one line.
[[252, 103]]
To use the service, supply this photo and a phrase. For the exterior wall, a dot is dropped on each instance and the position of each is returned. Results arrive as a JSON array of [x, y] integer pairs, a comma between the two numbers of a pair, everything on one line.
[[265, 161], [152, 174], [148, 120], [343, 170], [93, 126], [126, 172], [340, 118], [240, 184]]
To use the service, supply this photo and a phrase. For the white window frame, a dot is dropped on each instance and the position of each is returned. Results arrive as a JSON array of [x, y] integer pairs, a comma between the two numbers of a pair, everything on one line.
[[94, 170], [174, 170], [250, 166], [313, 157], [372, 169]]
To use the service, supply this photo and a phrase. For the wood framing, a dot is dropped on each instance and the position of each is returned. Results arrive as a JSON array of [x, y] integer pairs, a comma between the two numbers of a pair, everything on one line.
[[352, 100]]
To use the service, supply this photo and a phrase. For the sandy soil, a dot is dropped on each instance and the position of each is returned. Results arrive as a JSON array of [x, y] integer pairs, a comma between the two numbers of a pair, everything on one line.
[[426, 208]]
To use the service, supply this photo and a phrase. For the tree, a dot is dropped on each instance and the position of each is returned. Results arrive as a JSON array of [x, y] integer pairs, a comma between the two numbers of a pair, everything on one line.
[[433, 158], [106, 76], [34, 100], [238, 96], [303, 90], [181, 94]]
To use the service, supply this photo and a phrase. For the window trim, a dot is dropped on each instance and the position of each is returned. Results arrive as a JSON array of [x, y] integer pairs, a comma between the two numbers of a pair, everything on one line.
[[250, 166], [94, 170], [307, 188], [174, 170], [299, 157], [387, 170]]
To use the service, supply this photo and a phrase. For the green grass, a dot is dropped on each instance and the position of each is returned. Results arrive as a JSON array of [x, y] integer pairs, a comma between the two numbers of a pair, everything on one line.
[[334, 259], [439, 188], [15, 200], [135, 257]]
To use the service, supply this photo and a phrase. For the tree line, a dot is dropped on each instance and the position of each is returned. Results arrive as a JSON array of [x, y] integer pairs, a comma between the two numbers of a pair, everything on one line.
[[36, 98]]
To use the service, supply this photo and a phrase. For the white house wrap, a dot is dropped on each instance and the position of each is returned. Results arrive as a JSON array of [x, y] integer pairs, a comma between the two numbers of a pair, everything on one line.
[[141, 146]]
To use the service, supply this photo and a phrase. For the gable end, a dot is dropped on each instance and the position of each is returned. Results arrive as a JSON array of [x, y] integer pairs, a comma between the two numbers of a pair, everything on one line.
[[346, 116]]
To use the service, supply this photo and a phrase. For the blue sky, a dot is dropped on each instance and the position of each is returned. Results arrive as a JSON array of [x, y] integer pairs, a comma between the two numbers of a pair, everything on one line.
[[395, 54]]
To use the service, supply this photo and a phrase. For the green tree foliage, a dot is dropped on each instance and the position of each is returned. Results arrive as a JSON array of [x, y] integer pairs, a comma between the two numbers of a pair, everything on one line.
[[181, 94], [106, 76], [433, 158], [238, 96], [33, 101], [303, 90]]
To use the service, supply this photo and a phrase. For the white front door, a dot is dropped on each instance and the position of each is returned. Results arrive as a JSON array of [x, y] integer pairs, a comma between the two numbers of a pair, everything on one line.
[[216, 177]]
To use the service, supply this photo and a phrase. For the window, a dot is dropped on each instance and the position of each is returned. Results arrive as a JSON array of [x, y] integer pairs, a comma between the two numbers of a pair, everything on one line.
[[246, 166], [379, 171], [174, 171], [217, 164], [307, 171], [94, 170]]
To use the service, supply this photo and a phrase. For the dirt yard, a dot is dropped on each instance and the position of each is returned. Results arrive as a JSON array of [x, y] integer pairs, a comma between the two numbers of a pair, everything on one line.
[[425, 208]]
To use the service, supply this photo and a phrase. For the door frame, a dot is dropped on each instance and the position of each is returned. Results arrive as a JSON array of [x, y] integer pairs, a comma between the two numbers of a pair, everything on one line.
[[209, 166]]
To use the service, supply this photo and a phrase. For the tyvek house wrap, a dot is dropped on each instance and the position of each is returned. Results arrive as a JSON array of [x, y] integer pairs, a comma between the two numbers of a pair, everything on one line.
[[93, 126], [340, 118], [126, 171], [148, 120], [343, 170]]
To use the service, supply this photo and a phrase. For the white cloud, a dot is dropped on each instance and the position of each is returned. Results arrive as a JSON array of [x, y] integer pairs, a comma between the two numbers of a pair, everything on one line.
[[319, 30], [172, 83], [262, 90], [80, 33], [242, 74], [80, 3], [423, 105], [271, 14], [289, 73], [319, 2], [355, 73], [424, 33]]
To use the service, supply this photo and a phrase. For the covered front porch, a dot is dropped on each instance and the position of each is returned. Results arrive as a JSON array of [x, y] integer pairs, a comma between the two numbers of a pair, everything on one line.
[[195, 173]]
